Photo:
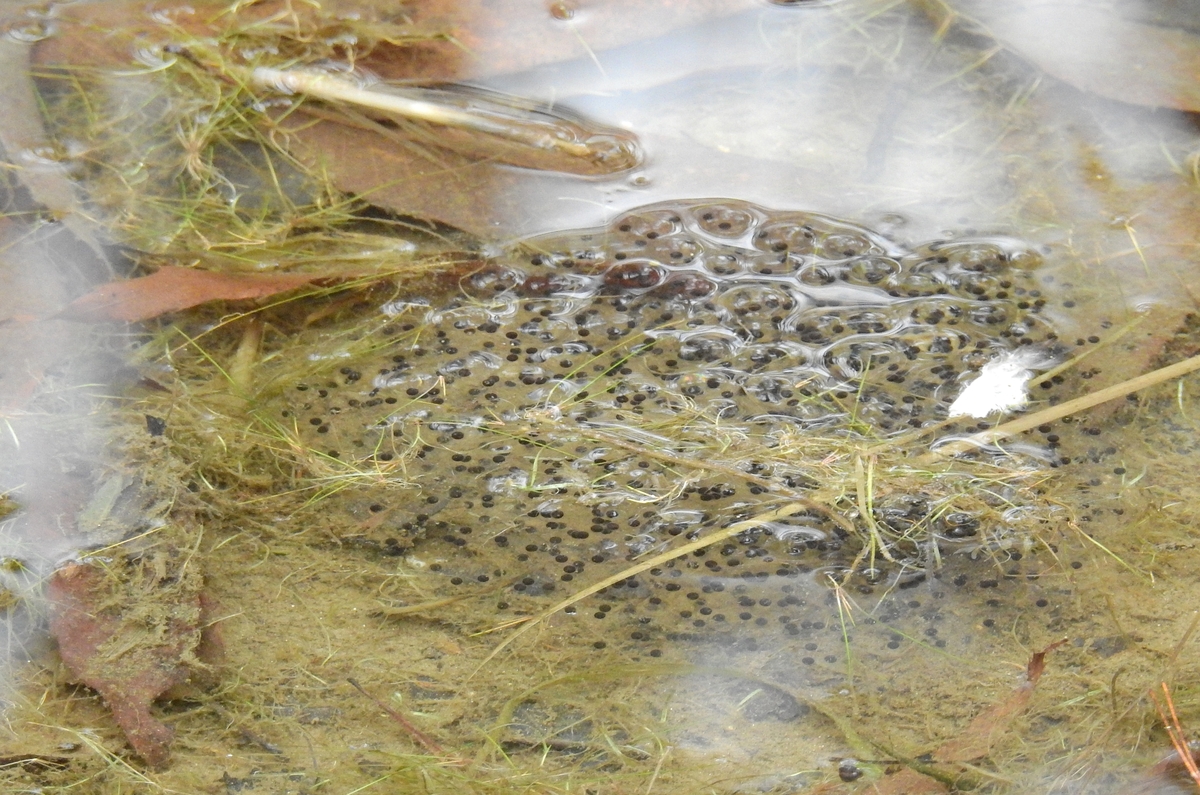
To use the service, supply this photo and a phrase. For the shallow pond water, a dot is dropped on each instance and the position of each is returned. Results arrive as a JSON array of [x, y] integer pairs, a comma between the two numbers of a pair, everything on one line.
[[624, 483]]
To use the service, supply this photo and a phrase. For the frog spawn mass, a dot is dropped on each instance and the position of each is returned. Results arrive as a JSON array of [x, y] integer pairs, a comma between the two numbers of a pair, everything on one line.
[[537, 424]]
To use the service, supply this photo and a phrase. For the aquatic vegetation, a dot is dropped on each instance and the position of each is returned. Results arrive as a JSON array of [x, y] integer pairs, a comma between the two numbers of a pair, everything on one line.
[[711, 351], [532, 424], [687, 452]]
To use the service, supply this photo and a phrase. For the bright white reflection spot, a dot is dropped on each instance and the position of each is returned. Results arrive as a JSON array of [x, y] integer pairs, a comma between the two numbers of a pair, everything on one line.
[[1000, 385]]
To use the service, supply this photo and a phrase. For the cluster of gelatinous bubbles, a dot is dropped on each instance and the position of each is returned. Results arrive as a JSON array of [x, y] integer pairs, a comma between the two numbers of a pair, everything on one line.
[[543, 411]]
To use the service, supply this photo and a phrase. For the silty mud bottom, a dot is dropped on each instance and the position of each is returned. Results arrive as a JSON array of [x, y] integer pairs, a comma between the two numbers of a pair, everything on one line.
[[585, 400]]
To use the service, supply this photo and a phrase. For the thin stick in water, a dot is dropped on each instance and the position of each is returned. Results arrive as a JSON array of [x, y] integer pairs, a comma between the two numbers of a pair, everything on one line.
[[1083, 403]]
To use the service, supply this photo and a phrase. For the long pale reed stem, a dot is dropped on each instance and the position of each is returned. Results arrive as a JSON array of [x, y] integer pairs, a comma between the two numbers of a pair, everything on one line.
[[1083, 403]]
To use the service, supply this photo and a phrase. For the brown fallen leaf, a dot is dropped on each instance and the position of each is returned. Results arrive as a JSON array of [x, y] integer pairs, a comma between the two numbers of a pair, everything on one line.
[[110, 34], [431, 41], [172, 288], [23, 139], [463, 40], [133, 631], [973, 742], [492, 37], [1169, 776], [909, 782], [453, 190]]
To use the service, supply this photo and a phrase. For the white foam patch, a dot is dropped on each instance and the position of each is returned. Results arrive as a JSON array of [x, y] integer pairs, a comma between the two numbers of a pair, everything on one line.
[[1000, 385]]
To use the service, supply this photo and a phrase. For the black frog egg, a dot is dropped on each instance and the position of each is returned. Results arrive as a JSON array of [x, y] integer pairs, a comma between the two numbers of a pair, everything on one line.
[[493, 279], [549, 284], [979, 257], [640, 274], [848, 770], [754, 299], [845, 244], [724, 220], [724, 263], [685, 286], [988, 315], [900, 512], [959, 524], [673, 250], [974, 285], [786, 236], [679, 316], [872, 270], [820, 273], [915, 283], [649, 225]]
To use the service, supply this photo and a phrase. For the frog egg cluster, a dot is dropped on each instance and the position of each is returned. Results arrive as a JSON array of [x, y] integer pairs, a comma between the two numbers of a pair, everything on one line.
[[788, 306], [536, 420]]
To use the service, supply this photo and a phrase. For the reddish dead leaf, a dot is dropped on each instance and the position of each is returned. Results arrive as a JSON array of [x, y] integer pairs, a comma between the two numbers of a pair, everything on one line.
[[909, 782], [976, 739], [1170, 775], [973, 743], [1097, 50], [1184, 753], [131, 632], [172, 288], [453, 190], [109, 34], [481, 38]]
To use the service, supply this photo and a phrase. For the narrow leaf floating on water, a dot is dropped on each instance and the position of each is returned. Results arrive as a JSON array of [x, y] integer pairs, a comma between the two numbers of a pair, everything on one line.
[[973, 742], [526, 135], [172, 288]]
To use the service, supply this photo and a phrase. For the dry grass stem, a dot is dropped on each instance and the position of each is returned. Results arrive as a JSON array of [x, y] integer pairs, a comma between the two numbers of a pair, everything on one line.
[[1066, 409]]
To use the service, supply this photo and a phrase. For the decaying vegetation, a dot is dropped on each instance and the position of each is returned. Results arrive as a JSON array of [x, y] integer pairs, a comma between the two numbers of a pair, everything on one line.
[[257, 606]]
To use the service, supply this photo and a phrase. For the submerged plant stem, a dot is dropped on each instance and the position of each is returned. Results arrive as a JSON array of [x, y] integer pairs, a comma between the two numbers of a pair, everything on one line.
[[608, 151], [422, 740], [27, 146], [789, 509], [335, 89], [713, 466]]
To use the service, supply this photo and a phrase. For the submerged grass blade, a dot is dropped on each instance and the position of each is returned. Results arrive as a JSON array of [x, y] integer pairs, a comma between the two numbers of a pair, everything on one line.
[[30, 150], [790, 509], [604, 150]]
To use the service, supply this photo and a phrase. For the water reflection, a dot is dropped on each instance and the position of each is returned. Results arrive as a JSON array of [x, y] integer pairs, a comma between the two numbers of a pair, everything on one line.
[[55, 373], [878, 118], [868, 111]]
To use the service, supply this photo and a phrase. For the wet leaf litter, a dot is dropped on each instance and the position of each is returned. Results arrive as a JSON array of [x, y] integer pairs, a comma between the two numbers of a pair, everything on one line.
[[172, 288], [744, 370], [99, 628], [931, 774]]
